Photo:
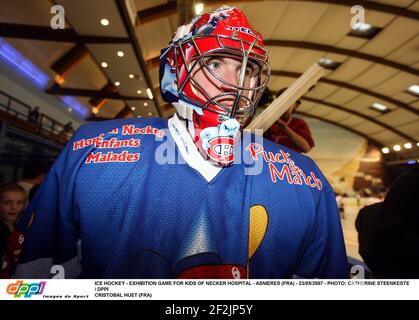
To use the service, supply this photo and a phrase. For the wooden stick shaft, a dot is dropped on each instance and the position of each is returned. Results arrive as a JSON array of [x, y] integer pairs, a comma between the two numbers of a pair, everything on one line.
[[281, 104]]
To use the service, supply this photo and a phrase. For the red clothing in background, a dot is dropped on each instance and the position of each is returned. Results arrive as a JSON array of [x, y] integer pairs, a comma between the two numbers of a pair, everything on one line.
[[278, 135]]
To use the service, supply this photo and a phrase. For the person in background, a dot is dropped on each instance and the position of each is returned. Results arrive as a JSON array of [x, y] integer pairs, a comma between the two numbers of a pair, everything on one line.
[[68, 128], [33, 192], [290, 131], [66, 132], [264, 101], [33, 117], [33, 174], [358, 197], [388, 231], [12, 202], [341, 206]]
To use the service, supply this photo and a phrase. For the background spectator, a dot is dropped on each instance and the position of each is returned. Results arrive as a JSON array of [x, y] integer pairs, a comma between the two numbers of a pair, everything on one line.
[[33, 116], [33, 192], [12, 202], [388, 232], [290, 131], [68, 128], [341, 206], [65, 132], [33, 174]]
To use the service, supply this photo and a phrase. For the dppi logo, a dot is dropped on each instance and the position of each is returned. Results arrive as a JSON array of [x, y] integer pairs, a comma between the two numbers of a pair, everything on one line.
[[27, 290]]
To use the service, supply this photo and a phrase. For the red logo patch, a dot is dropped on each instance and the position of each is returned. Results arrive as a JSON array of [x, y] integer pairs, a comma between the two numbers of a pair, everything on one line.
[[221, 150]]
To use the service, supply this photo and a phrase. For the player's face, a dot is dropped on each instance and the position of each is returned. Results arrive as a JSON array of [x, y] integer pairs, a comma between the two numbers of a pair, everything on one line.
[[229, 70], [11, 205]]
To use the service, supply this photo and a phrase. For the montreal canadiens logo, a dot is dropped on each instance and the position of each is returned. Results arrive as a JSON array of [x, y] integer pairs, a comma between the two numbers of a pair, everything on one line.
[[221, 149]]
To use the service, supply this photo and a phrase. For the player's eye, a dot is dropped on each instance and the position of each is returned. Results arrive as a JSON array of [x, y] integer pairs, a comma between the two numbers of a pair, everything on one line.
[[214, 65]]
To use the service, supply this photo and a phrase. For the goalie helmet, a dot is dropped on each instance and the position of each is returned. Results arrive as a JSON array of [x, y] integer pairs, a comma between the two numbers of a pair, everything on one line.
[[214, 71]]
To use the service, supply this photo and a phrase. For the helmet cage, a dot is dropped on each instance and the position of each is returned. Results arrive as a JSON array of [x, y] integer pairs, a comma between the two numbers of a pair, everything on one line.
[[254, 53]]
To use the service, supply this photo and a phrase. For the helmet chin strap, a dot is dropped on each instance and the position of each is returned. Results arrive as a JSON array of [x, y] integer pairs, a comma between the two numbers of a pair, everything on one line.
[[185, 111]]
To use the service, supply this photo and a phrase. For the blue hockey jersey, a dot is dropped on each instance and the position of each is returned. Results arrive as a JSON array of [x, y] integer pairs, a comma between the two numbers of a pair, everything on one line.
[[124, 193]]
